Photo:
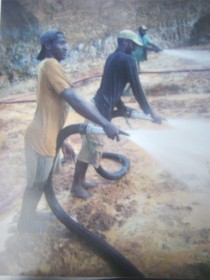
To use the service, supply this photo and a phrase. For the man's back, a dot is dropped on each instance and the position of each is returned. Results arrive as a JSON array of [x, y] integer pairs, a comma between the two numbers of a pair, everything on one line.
[[117, 73]]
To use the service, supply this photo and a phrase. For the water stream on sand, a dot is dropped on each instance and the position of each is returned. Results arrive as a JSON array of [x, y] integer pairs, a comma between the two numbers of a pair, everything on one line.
[[183, 148]]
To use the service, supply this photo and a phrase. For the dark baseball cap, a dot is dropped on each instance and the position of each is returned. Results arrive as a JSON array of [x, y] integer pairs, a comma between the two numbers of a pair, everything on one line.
[[143, 28], [48, 36]]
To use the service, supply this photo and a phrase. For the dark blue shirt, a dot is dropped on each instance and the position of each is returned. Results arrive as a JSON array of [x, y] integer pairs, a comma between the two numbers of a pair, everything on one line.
[[120, 69]]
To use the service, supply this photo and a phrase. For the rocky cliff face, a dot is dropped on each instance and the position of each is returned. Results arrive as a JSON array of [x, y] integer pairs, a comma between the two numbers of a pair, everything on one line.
[[91, 27]]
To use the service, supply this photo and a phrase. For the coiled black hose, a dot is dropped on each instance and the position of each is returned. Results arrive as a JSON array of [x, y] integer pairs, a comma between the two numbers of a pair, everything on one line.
[[122, 265], [124, 161], [118, 174]]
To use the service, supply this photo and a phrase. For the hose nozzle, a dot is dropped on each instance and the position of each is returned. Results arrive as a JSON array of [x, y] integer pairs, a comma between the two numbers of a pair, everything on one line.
[[99, 130], [124, 133]]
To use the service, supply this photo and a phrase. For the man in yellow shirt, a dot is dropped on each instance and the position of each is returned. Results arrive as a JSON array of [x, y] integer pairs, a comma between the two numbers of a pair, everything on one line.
[[54, 95]]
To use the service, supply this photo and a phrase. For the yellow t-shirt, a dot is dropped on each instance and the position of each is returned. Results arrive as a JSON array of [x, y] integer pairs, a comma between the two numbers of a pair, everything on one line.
[[51, 111]]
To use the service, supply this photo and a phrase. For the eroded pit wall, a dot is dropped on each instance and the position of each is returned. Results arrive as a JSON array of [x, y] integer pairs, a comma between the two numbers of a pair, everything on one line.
[[91, 27]]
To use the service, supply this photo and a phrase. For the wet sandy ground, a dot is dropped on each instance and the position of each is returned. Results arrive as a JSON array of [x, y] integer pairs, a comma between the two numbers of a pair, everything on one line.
[[157, 220]]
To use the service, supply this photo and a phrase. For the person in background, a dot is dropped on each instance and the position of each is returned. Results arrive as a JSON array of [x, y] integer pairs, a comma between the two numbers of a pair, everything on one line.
[[54, 95], [140, 52], [148, 45], [120, 68]]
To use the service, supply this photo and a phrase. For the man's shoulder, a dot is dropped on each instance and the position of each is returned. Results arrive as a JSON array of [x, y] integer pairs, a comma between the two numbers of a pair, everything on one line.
[[49, 62], [126, 58], [120, 55], [146, 39], [49, 65]]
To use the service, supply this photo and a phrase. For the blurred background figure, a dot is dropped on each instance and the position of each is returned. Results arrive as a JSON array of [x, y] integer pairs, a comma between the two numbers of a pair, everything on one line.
[[141, 52]]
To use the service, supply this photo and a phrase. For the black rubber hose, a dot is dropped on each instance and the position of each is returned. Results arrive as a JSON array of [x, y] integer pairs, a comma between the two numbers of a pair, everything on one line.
[[124, 161], [109, 253]]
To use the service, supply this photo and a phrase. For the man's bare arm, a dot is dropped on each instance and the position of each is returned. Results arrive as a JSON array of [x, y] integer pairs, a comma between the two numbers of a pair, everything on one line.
[[89, 111]]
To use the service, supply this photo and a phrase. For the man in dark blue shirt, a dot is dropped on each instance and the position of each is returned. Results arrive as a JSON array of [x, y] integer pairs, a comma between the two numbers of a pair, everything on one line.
[[120, 68]]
